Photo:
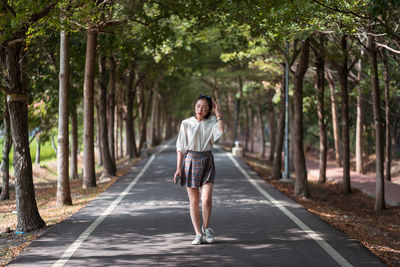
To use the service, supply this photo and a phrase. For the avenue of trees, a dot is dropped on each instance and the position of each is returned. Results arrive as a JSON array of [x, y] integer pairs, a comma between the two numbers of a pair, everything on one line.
[[118, 74]]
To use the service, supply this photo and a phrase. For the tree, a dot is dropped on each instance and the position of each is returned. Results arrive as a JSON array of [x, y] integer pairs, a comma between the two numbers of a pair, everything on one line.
[[301, 184], [380, 184], [343, 73], [63, 188], [89, 175], [18, 19], [108, 163], [319, 52], [5, 162], [388, 152]]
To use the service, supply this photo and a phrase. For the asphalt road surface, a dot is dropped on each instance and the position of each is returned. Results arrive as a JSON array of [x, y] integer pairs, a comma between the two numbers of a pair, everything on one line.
[[143, 219]]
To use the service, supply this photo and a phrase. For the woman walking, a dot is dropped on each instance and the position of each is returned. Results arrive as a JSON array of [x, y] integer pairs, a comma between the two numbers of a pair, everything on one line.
[[194, 144]]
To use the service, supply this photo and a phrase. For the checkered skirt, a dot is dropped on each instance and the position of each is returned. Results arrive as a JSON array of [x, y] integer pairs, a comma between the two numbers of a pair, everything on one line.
[[198, 169]]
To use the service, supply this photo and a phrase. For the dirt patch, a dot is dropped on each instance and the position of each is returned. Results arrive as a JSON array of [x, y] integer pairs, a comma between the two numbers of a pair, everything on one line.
[[351, 213]]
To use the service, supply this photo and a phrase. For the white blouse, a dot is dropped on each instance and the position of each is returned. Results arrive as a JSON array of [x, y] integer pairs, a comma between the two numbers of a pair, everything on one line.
[[198, 135]]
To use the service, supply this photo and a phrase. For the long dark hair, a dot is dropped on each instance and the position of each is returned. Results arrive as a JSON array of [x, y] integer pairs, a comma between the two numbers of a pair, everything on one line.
[[208, 99]]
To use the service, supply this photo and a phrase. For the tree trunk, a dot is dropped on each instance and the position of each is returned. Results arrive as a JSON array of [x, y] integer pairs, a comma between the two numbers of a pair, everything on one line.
[[5, 163], [89, 175], [118, 121], [291, 144], [345, 118], [63, 189], [153, 128], [237, 112], [121, 136], [335, 118], [271, 124], [359, 132], [320, 86], [247, 127], [301, 183], [99, 145], [74, 141], [28, 217], [388, 156], [37, 159], [108, 163], [53, 144], [144, 106], [380, 185], [277, 163], [261, 125], [130, 131], [111, 109]]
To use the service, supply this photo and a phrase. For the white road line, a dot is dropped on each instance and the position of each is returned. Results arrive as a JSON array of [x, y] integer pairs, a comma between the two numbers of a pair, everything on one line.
[[328, 248], [78, 242]]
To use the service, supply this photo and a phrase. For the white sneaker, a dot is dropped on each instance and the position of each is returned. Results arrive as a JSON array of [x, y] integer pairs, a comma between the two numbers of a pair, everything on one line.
[[208, 235], [197, 240]]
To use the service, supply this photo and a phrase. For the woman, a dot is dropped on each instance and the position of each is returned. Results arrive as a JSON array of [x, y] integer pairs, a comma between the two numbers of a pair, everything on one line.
[[195, 141]]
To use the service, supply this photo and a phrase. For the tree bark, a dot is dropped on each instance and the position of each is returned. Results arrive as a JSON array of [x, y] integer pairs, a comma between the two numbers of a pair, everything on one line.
[[359, 123], [345, 117], [108, 163], [129, 127], [237, 111], [37, 159], [388, 156], [63, 188], [301, 183], [153, 126], [277, 163], [320, 86], [99, 145], [89, 175], [28, 218], [121, 136], [247, 127], [261, 125], [5, 163], [111, 109], [335, 118], [252, 135], [53, 144], [380, 185], [271, 124], [117, 128], [74, 141], [144, 106]]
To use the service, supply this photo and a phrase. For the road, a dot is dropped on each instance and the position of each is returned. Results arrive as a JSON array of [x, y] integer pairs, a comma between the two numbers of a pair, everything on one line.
[[143, 219]]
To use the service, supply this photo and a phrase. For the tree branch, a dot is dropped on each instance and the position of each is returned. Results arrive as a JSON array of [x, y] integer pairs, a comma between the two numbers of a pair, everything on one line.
[[341, 11], [389, 48], [37, 16]]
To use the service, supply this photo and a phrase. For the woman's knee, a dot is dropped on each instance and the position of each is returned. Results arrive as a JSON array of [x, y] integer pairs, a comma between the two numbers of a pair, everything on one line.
[[207, 201]]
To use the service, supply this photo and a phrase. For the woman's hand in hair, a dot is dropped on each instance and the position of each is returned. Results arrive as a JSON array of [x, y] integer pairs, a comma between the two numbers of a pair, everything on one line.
[[215, 107]]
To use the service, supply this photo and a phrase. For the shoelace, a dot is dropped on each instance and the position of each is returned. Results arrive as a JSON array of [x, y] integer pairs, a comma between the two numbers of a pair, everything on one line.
[[209, 231]]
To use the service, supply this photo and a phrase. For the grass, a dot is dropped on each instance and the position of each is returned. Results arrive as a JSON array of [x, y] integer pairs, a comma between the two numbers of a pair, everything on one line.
[[46, 152]]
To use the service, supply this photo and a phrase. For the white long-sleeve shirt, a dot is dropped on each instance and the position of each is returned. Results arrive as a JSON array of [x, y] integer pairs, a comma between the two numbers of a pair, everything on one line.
[[198, 135]]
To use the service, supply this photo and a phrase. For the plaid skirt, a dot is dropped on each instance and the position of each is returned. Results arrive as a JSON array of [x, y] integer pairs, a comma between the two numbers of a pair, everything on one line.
[[198, 169]]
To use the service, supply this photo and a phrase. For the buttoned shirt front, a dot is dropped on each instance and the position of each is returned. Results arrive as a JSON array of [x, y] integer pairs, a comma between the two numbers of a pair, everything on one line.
[[197, 135]]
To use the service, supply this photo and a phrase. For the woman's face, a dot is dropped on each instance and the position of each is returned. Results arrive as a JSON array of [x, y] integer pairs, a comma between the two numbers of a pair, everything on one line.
[[201, 108]]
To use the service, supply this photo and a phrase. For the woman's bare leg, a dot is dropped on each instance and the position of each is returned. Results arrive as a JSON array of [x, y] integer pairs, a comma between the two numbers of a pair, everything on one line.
[[193, 194], [206, 200]]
